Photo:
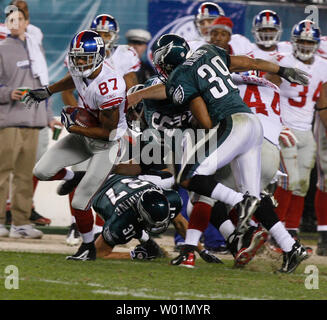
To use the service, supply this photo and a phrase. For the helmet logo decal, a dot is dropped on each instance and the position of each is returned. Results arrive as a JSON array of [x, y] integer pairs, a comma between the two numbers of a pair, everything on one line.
[[78, 42], [162, 52]]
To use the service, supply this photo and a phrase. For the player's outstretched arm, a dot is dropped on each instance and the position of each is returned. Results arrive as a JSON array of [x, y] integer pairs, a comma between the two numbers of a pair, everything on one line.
[[37, 95], [244, 63], [65, 83], [156, 92]]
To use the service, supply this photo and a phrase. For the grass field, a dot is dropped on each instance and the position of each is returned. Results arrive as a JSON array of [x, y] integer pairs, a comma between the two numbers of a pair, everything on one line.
[[50, 276]]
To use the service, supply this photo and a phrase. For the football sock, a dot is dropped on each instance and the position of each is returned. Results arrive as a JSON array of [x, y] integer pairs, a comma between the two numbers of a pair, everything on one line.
[[97, 229], [99, 221], [321, 210], [84, 218], [63, 174], [69, 175], [200, 216], [226, 195], [207, 186], [88, 236], [282, 237], [226, 229], [283, 198], [294, 213], [192, 237]]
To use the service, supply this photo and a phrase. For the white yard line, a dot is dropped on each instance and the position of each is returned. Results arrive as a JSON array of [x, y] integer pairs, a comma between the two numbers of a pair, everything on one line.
[[143, 292]]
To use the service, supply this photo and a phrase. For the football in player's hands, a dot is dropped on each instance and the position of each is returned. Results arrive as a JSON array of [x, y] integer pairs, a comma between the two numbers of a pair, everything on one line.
[[82, 117]]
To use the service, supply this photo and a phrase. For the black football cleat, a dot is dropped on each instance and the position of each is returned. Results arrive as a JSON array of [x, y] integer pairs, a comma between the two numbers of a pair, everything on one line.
[[245, 210], [244, 246], [68, 186], [39, 220], [292, 259], [84, 253], [186, 257], [209, 257]]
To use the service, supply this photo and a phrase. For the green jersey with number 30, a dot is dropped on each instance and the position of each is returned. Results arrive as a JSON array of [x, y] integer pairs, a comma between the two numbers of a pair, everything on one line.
[[206, 74], [116, 203]]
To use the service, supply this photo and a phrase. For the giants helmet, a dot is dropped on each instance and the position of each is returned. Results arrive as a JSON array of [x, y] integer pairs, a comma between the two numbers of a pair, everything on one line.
[[207, 10], [153, 207], [264, 20], [106, 23], [169, 51], [86, 46], [305, 30]]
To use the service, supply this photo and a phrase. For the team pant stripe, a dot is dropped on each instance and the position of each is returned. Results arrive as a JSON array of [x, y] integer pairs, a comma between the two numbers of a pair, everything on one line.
[[284, 180], [223, 130]]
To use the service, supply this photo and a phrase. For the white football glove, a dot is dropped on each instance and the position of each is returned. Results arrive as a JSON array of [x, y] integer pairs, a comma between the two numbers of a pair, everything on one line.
[[67, 119], [288, 138], [33, 97]]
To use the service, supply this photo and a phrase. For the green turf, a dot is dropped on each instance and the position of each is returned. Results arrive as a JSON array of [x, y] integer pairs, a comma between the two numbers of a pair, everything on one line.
[[50, 276]]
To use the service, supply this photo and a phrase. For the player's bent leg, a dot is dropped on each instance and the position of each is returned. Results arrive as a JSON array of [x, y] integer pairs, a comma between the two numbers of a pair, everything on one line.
[[66, 152], [270, 159], [99, 169]]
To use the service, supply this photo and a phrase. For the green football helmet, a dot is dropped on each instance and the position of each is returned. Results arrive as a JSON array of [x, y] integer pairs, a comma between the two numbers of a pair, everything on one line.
[[169, 51], [153, 207]]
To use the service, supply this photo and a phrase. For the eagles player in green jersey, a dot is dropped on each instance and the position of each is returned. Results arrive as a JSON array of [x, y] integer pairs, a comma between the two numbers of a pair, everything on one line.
[[202, 81], [133, 208], [129, 207]]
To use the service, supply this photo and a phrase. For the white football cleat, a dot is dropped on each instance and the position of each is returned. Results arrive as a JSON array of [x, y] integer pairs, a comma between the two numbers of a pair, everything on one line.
[[3, 231], [25, 231], [73, 236]]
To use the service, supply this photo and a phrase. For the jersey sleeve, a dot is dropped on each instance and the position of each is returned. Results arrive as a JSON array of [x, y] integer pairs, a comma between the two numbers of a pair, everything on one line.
[[181, 88], [126, 59], [134, 60]]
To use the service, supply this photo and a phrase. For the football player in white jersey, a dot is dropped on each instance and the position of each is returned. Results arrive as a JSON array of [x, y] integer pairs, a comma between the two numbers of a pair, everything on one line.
[[103, 92], [207, 13], [126, 61], [320, 133], [123, 57], [297, 110], [267, 30]]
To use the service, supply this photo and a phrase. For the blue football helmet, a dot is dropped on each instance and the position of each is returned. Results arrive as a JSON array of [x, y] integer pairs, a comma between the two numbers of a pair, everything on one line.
[[87, 47], [305, 30], [267, 28], [169, 51], [153, 207], [207, 11], [106, 23]]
